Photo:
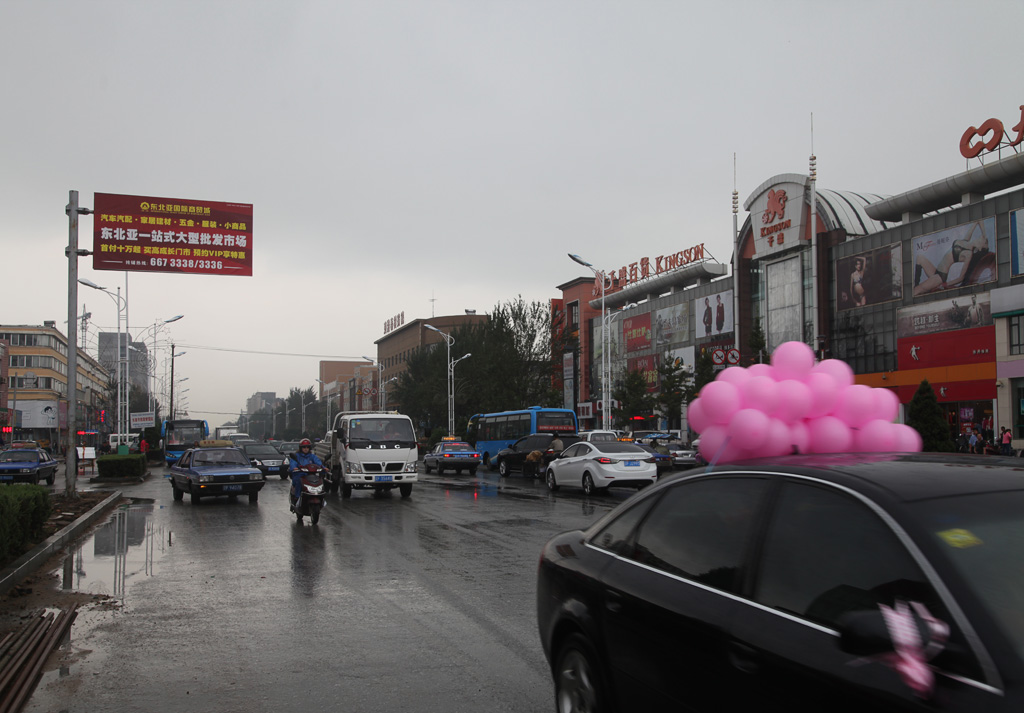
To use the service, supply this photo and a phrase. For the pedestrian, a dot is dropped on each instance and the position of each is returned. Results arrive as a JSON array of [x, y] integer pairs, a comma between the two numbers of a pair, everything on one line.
[[1007, 438], [143, 446], [974, 441]]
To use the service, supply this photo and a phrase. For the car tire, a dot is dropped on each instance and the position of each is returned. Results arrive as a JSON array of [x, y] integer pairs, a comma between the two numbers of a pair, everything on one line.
[[284, 475], [426, 468], [550, 479], [588, 485], [503, 468], [405, 489], [51, 477], [177, 492], [346, 490], [440, 469], [254, 497], [472, 471], [578, 678], [195, 498]]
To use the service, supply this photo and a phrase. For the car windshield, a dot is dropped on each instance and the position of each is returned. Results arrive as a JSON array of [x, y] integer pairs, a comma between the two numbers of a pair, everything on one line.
[[219, 456], [18, 457], [261, 450], [983, 537], [617, 447], [381, 429]]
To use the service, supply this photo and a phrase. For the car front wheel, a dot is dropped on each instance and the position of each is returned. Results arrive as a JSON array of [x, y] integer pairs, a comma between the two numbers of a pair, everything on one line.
[[578, 678], [552, 485], [179, 494], [503, 468]]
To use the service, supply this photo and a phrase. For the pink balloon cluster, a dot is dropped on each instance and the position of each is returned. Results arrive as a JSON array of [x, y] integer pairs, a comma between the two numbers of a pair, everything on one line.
[[795, 405]]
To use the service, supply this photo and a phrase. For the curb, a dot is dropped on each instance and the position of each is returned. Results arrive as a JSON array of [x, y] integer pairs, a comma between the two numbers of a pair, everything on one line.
[[37, 557]]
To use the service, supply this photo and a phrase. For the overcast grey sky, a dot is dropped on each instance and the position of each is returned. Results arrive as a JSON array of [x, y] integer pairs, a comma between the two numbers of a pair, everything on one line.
[[401, 152]]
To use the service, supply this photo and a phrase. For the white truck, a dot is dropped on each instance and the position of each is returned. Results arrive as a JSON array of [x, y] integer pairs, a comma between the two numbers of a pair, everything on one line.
[[221, 433], [370, 449]]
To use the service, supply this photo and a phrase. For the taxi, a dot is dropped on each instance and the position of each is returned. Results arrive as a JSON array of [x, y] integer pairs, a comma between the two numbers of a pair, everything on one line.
[[27, 465], [215, 470], [452, 455]]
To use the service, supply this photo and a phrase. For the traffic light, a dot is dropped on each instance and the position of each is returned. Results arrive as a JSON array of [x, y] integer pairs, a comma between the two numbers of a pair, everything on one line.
[[103, 415]]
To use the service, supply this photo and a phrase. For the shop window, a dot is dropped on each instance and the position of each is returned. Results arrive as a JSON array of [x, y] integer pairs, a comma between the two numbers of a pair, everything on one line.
[[1016, 338]]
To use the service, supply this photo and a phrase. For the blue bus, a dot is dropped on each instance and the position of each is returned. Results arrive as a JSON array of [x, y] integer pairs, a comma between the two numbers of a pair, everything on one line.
[[181, 433], [490, 432]]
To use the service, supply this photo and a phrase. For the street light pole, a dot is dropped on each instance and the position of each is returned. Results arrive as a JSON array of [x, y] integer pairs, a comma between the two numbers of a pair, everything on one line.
[[449, 340], [122, 356], [599, 275], [451, 395]]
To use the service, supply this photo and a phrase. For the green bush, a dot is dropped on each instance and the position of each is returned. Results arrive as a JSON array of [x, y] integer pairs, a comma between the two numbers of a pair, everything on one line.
[[129, 466], [24, 510]]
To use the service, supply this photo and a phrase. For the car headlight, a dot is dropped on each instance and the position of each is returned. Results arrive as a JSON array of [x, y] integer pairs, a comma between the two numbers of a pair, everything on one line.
[[28, 470], [205, 478], [352, 466], [255, 476], [410, 467], [257, 463], [286, 462]]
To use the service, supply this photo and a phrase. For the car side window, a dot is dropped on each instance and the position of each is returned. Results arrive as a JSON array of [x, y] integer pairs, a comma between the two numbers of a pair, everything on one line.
[[186, 460], [617, 535], [827, 553], [700, 529], [573, 451]]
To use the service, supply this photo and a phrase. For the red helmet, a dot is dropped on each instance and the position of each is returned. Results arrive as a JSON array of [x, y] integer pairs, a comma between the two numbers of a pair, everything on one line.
[[305, 442]]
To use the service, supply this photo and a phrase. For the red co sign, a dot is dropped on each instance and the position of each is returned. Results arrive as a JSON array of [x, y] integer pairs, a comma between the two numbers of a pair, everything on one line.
[[970, 148]]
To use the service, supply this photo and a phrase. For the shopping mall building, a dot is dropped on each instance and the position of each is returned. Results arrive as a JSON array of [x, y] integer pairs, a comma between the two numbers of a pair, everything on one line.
[[928, 284]]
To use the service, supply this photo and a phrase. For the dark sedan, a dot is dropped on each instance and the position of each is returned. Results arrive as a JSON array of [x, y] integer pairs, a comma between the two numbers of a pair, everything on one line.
[[27, 465], [662, 460], [205, 472], [267, 458], [515, 457], [452, 455], [813, 583]]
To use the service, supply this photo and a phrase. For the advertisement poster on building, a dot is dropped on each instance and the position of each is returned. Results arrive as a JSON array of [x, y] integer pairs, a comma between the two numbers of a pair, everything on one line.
[[38, 414], [1017, 242], [179, 235], [870, 277], [636, 332], [713, 314], [648, 368], [683, 357], [671, 326], [955, 257], [944, 315]]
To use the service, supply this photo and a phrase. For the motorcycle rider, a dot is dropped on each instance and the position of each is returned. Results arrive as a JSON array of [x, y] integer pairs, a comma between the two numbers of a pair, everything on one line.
[[305, 456]]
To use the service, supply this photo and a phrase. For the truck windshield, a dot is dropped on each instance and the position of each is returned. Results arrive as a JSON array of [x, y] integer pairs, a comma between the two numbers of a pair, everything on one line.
[[381, 429]]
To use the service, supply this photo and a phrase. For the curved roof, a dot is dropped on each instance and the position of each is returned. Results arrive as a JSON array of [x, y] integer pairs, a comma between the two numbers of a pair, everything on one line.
[[848, 210]]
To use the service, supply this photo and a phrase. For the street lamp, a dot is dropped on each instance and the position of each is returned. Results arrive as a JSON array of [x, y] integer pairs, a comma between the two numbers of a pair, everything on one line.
[[449, 340], [173, 355], [451, 393], [380, 381], [599, 275], [122, 357], [383, 399], [330, 389], [157, 326]]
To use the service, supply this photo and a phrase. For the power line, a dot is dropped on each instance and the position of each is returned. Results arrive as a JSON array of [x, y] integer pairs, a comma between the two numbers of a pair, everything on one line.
[[254, 351]]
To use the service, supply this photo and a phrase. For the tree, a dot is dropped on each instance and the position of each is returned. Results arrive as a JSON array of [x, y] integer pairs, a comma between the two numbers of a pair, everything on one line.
[[929, 419], [676, 384], [758, 343], [634, 398], [703, 372]]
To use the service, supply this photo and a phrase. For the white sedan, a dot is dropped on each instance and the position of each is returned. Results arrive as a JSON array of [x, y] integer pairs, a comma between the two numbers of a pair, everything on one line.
[[596, 466]]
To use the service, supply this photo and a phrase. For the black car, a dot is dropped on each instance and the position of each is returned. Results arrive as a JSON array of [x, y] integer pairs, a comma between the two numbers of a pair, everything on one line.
[[218, 470], [881, 582], [267, 458], [661, 459], [514, 457]]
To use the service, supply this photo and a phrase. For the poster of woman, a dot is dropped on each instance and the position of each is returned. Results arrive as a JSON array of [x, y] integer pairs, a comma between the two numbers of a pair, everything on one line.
[[955, 257], [869, 278]]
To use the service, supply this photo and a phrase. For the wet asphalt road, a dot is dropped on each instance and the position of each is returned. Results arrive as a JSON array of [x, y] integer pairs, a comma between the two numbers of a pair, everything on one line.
[[421, 604]]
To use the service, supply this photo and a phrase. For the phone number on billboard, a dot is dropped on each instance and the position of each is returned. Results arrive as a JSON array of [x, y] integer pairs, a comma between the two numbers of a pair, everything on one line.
[[189, 264]]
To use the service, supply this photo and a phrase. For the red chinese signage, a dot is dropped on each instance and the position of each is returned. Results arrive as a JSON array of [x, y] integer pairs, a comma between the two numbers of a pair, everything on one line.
[[648, 368], [969, 148], [145, 234], [636, 332], [644, 268], [776, 208]]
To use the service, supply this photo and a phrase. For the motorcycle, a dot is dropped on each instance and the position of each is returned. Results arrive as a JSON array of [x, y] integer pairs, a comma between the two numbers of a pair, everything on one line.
[[311, 499]]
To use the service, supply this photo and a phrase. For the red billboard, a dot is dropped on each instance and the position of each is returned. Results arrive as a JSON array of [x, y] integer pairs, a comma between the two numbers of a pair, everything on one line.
[[637, 332], [146, 234], [648, 367]]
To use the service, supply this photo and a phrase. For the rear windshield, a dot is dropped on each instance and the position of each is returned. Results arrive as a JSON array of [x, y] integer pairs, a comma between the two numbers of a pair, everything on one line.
[[617, 447]]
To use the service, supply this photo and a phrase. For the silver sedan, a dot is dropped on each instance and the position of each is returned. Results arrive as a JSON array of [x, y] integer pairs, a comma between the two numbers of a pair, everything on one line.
[[597, 466]]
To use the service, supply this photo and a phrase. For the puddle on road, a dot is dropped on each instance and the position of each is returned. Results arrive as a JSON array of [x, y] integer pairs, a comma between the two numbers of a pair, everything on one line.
[[128, 546]]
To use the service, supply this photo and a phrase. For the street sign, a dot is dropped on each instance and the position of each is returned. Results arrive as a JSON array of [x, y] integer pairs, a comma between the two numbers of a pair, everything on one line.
[[718, 357], [733, 357]]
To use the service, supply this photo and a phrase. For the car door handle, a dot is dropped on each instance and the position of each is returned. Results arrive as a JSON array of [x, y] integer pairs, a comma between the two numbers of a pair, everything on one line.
[[612, 601], [744, 658]]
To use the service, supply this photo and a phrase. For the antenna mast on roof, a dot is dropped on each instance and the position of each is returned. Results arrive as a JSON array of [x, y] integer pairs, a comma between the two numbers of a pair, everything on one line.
[[735, 255], [432, 301], [816, 335]]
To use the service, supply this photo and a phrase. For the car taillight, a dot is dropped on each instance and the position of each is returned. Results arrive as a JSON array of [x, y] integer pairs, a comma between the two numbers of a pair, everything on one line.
[[604, 460], [649, 460]]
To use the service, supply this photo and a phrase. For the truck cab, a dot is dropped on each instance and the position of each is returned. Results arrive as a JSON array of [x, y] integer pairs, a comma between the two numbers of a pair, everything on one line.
[[373, 449]]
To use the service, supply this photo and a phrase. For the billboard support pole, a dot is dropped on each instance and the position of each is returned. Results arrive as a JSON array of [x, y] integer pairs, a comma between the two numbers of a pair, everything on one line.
[[71, 455]]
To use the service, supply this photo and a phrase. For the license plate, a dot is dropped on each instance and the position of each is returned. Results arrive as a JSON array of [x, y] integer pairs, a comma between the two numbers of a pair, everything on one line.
[[382, 478], [632, 463], [232, 487]]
